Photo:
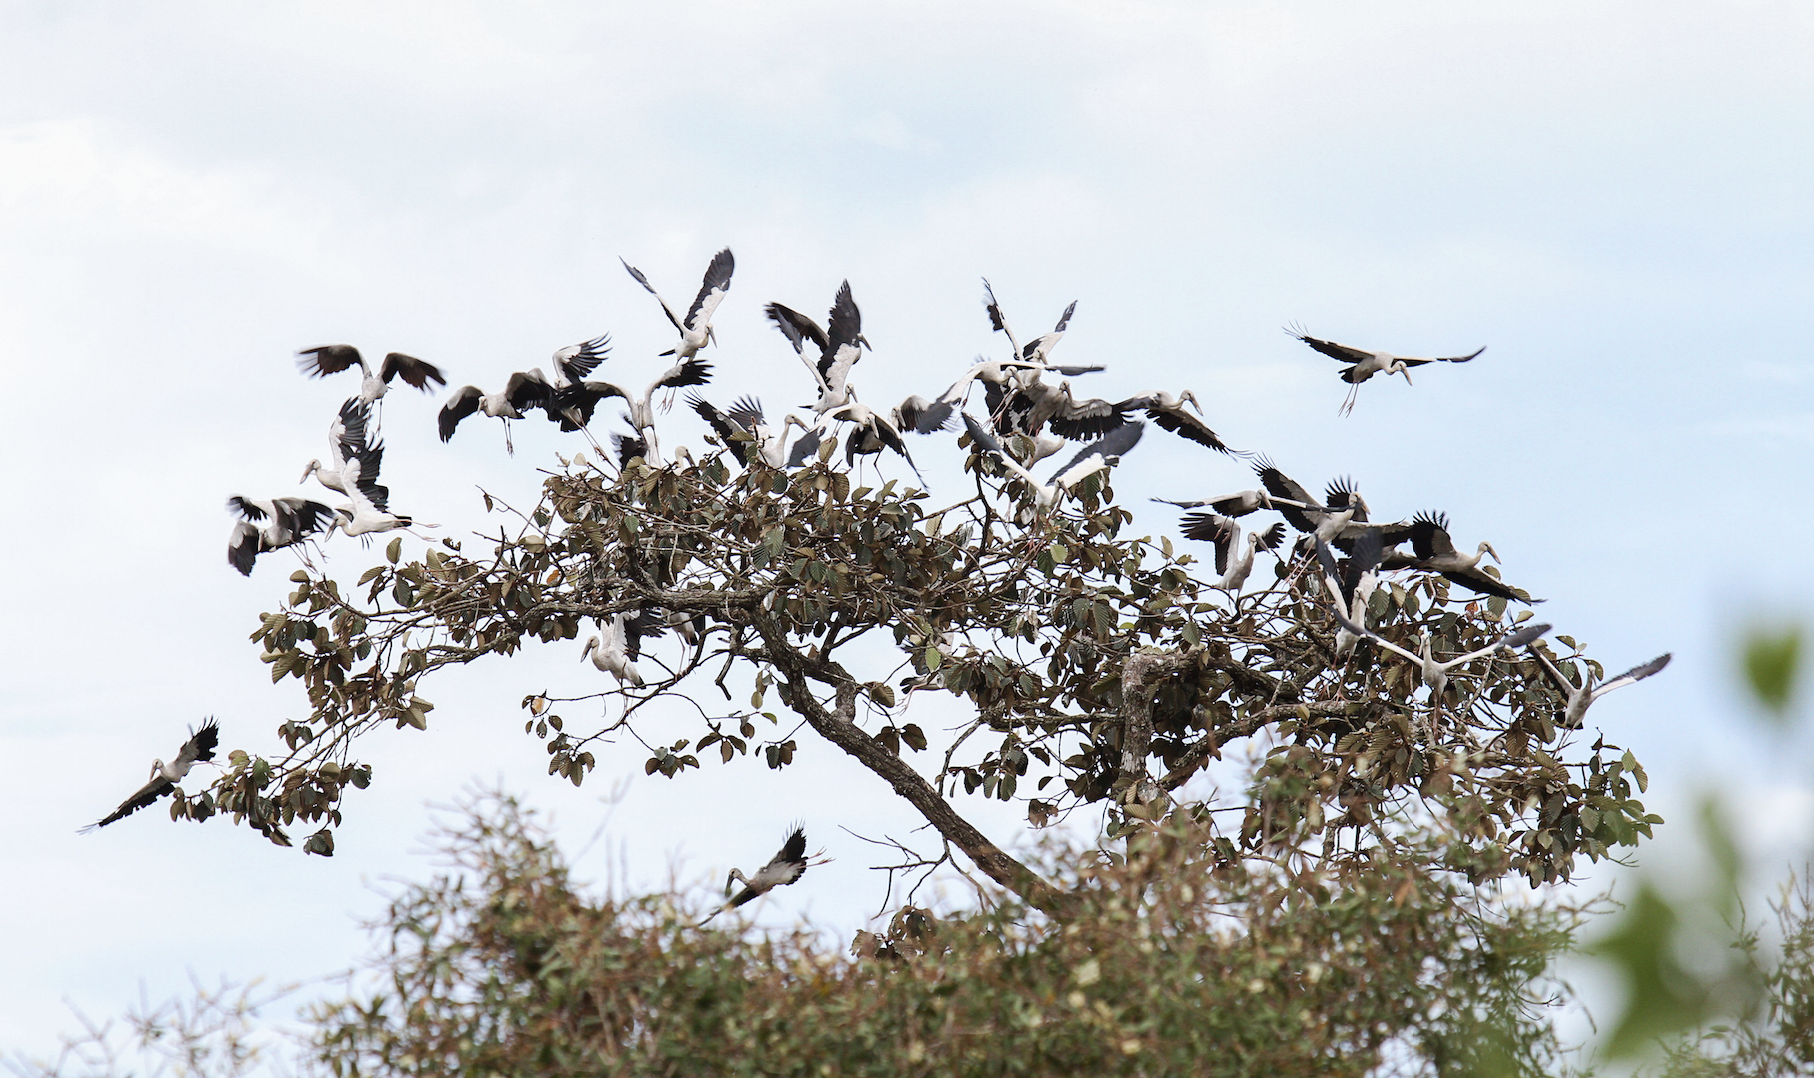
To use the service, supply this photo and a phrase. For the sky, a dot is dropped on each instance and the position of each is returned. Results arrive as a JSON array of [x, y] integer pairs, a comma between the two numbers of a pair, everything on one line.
[[1612, 198]]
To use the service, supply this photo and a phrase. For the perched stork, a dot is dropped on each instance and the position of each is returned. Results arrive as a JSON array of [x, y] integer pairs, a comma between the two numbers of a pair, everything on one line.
[[1170, 414], [1365, 364], [1101, 454], [523, 393], [873, 434], [745, 431], [618, 645], [788, 865], [1581, 696], [696, 328], [328, 359], [271, 524], [164, 776], [1434, 552], [1435, 674], [346, 439], [841, 344]]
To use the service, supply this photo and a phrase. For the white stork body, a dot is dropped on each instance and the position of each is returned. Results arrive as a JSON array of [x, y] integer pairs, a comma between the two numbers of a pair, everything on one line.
[[522, 394], [1099, 455], [346, 438], [1365, 363], [164, 776], [1435, 674], [745, 431], [610, 651], [1170, 414], [329, 359], [840, 344], [1433, 551], [368, 509], [788, 865], [271, 524], [1582, 696], [696, 328]]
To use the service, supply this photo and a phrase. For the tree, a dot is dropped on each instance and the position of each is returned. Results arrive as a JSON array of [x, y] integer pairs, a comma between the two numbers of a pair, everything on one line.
[[1103, 670]]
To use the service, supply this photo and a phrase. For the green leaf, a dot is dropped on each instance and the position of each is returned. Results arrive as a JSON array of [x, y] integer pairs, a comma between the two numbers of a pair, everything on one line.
[[395, 549], [1772, 661]]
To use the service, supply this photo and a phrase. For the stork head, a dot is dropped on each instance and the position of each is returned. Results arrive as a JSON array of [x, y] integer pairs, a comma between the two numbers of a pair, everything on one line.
[[681, 453], [736, 876], [1191, 398], [591, 645], [1399, 366], [157, 767], [314, 466], [1487, 549]]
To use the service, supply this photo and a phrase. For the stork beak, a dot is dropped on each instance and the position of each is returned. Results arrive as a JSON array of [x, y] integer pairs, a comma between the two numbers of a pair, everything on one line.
[[1488, 547], [310, 470], [711, 335], [1406, 371]]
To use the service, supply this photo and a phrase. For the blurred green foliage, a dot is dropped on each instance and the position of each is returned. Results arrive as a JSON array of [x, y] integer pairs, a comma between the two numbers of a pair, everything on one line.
[[1772, 662]]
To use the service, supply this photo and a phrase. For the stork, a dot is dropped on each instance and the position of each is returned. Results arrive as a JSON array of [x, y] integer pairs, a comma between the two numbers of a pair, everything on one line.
[[788, 865], [1036, 404], [1225, 533], [368, 511], [1170, 414], [1582, 696], [841, 344], [1357, 578], [618, 645], [1038, 348], [1240, 503], [326, 359], [1434, 552], [696, 328], [1435, 674], [1101, 454], [873, 434], [346, 437], [745, 431], [522, 394], [576, 402], [164, 776], [271, 524], [1365, 364]]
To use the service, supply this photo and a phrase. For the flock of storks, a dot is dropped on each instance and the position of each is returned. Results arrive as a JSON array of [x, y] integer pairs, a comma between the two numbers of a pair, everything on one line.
[[1028, 419]]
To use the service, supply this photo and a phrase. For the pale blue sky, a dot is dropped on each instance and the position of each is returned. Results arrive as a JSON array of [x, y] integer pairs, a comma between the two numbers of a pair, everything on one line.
[[1615, 200]]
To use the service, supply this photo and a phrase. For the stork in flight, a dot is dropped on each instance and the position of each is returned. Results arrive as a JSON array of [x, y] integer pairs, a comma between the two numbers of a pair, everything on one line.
[[1225, 533], [1365, 364], [326, 359], [745, 431], [523, 393], [164, 776], [1435, 674], [1099, 455], [874, 433], [368, 509], [575, 403], [271, 524], [1037, 349], [1434, 552], [696, 328], [788, 865], [840, 343], [1170, 414], [1581, 696], [346, 438]]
